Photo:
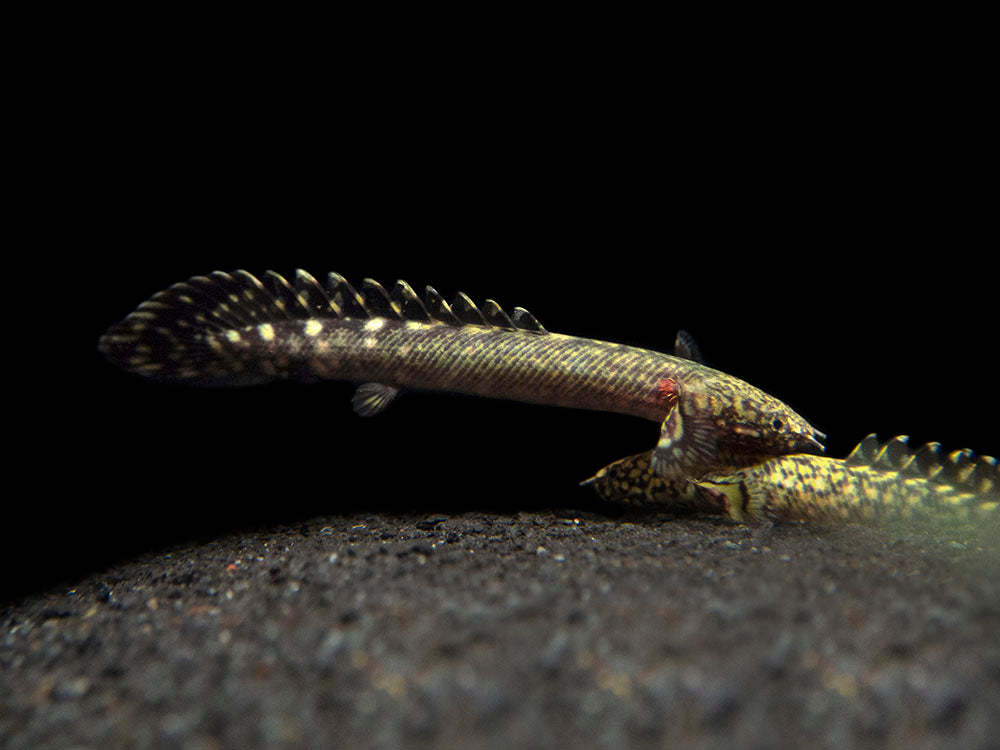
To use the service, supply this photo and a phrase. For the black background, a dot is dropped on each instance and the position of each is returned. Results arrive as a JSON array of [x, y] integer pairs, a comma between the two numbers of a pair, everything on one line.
[[821, 228]]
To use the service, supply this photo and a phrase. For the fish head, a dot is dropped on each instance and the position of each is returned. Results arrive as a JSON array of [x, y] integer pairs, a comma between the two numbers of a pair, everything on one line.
[[757, 424], [748, 424]]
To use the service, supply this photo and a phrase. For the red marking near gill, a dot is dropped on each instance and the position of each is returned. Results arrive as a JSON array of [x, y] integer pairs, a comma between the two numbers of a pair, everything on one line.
[[667, 391]]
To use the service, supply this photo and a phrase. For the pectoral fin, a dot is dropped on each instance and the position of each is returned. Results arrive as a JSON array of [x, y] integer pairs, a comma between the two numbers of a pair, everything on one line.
[[372, 398], [727, 496], [687, 444]]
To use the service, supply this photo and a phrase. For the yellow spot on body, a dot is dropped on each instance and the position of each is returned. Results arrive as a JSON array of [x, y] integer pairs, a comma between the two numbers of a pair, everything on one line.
[[266, 331], [371, 342], [375, 324], [313, 327], [233, 336], [415, 324]]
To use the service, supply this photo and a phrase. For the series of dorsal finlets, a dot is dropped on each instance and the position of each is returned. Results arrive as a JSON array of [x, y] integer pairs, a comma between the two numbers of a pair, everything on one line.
[[961, 468], [305, 297]]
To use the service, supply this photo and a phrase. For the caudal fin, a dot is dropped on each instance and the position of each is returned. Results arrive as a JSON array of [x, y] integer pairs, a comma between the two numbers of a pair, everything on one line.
[[194, 331]]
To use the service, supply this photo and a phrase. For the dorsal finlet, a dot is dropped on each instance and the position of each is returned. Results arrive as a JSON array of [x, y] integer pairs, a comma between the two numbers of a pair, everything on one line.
[[410, 305], [526, 321], [896, 455], [961, 469], [438, 308], [232, 300], [928, 460], [864, 452], [466, 311], [495, 315], [343, 295], [378, 302], [313, 296], [285, 297]]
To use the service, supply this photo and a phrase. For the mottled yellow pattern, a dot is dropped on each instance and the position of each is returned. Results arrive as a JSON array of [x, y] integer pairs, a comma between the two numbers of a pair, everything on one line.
[[875, 483]]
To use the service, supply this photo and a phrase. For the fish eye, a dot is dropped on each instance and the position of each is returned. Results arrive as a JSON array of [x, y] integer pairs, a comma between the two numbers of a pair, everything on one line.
[[777, 424]]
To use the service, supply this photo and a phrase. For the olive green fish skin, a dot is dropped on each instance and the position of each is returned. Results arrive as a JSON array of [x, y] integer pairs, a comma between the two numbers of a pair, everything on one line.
[[515, 365], [551, 369], [234, 329]]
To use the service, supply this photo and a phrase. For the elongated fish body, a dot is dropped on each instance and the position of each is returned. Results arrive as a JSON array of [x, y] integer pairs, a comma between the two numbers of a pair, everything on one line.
[[876, 483], [234, 329]]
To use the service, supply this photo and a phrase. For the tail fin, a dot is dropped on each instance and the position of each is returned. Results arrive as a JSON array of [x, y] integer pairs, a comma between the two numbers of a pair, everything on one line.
[[223, 329], [191, 332]]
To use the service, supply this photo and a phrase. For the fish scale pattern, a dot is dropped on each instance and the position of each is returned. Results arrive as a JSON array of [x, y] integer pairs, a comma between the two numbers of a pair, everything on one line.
[[876, 483], [237, 329]]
